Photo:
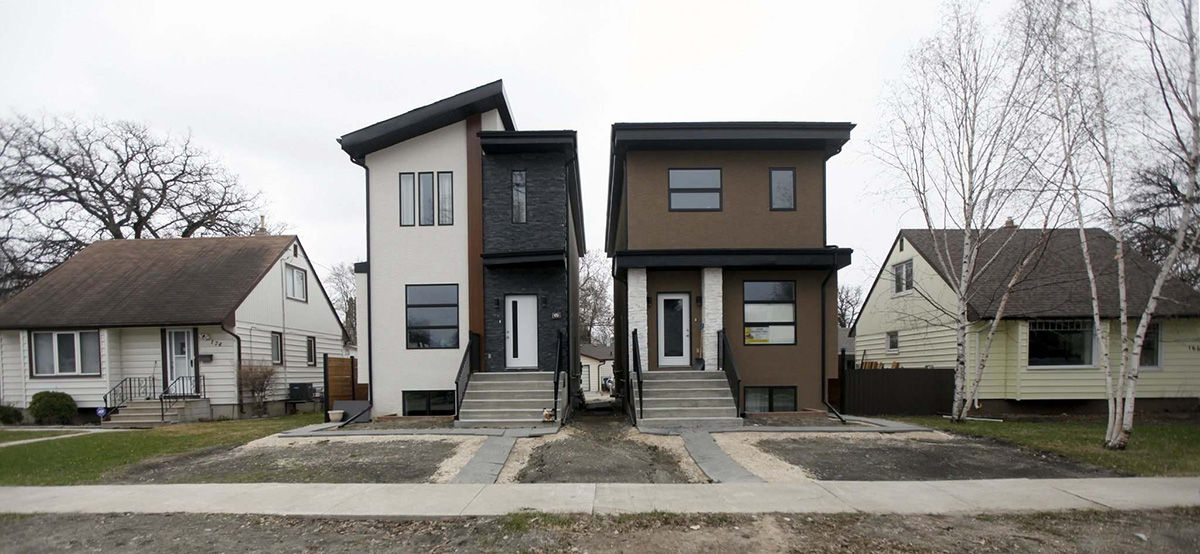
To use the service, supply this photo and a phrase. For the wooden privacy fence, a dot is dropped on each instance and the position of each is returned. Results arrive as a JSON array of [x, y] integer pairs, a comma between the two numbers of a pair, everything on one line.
[[341, 381], [901, 391]]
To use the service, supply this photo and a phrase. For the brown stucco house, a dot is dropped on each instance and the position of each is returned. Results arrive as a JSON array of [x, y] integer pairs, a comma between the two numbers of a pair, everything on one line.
[[723, 271]]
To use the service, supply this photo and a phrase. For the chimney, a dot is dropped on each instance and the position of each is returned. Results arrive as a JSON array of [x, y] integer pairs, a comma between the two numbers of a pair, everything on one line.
[[262, 226], [1008, 224]]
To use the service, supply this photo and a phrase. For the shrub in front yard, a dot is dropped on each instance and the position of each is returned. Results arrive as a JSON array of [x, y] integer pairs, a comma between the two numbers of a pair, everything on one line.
[[53, 408], [258, 379], [10, 415]]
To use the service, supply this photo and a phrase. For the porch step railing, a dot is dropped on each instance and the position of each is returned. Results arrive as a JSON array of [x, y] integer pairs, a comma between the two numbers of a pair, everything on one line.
[[128, 390], [468, 366], [637, 372], [561, 366], [180, 388], [729, 366]]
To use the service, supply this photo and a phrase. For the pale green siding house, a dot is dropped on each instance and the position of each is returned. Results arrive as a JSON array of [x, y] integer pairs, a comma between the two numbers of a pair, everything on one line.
[[1044, 357]]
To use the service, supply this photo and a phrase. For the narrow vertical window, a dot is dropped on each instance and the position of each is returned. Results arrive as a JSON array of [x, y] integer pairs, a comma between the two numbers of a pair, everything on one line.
[[276, 347], [311, 350], [518, 197], [425, 197], [1152, 347], [893, 341], [902, 274], [445, 198], [408, 200], [783, 189]]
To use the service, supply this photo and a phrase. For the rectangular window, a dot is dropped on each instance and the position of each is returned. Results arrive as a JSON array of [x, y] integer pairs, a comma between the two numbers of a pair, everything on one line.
[[694, 190], [66, 353], [428, 402], [902, 274], [276, 347], [295, 283], [770, 399], [408, 200], [783, 189], [518, 197], [445, 198], [432, 316], [893, 341], [1061, 343], [1152, 347], [769, 312], [311, 350], [425, 198]]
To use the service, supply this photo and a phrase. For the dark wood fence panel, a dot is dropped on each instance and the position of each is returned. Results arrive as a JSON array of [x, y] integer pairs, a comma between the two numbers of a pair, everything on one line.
[[341, 381], [906, 391]]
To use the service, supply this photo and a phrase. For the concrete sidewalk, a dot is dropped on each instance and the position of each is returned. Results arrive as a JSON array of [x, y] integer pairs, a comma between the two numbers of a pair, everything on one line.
[[419, 500]]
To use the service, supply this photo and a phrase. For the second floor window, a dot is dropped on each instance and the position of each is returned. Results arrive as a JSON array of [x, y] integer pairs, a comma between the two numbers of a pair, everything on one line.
[[694, 190], [783, 189], [408, 200], [518, 197], [902, 274], [425, 196], [295, 283], [445, 198]]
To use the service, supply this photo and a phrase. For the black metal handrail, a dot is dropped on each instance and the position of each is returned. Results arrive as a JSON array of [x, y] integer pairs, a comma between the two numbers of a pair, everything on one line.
[[129, 389], [637, 371], [186, 386], [725, 358], [559, 369], [468, 366]]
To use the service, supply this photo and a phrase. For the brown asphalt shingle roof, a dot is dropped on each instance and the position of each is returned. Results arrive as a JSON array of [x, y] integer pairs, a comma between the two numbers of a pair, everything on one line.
[[1056, 282], [146, 283], [596, 352]]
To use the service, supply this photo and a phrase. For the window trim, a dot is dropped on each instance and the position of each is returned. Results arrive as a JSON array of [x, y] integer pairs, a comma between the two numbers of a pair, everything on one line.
[[78, 354], [887, 342], [720, 190], [419, 196], [438, 193], [413, 207], [457, 316], [905, 289], [287, 280], [771, 397], [428, 394], [1095, 345], [771, 189], [282, 355], [1160, 365], [512, 192], [746, 324], [310, 350]]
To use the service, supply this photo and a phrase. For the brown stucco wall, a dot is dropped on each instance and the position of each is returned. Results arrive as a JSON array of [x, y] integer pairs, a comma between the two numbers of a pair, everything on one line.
[[745, 219], [786, 365], [672, 281]]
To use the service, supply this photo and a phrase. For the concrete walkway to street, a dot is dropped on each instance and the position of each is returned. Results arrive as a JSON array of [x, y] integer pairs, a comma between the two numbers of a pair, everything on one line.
[[400, 500]]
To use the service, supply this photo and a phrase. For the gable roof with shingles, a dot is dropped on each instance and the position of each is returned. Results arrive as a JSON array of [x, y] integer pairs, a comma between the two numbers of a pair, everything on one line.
[[1055, 284], [147, 282], [596, 352]]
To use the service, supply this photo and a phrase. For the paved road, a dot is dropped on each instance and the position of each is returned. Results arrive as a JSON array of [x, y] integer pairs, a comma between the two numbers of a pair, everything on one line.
[[901, 497]]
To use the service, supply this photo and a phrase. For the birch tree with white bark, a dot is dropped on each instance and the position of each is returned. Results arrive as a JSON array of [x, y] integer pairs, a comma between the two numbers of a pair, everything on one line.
[[965, 138]]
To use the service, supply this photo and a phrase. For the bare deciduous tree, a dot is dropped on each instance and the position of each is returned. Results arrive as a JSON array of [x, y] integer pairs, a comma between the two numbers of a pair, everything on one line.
[[258, 380], [65, 183], [343, 293], [595, 298], [964, 136], [849, 300]]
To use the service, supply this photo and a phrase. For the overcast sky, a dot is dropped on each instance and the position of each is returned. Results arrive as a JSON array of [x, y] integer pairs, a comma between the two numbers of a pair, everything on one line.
[[267, 87]]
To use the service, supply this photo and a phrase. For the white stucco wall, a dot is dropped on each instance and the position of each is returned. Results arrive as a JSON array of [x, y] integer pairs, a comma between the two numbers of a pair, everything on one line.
[[362, 323]]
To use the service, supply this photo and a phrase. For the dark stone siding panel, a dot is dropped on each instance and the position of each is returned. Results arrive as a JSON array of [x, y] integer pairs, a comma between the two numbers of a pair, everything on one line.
[[546, 203], [549, 283]]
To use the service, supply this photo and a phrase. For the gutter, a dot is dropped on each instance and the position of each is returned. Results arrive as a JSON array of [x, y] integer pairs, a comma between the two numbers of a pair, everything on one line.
[[237, 372], [824, 383]]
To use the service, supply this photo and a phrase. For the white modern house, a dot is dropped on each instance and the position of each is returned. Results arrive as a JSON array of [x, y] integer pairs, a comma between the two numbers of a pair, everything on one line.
[[126, 321]]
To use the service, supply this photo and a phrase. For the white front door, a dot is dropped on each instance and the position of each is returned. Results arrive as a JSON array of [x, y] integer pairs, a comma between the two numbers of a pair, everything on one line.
[[181, 360], [520, 331], [674, 330]]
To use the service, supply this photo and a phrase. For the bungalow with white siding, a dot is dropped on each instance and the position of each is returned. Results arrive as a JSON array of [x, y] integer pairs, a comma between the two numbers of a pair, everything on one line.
[[124, 323]]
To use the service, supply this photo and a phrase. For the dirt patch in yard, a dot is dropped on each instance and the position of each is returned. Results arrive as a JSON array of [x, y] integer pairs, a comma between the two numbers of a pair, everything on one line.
[[1073, 532], [601, 448], [413, 422], [924, 456], [794, 419], [278, 459]]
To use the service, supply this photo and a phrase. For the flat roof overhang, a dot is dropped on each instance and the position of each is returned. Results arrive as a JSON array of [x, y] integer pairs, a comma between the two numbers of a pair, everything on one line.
[[798, 258], [525, 259], [521, 142]]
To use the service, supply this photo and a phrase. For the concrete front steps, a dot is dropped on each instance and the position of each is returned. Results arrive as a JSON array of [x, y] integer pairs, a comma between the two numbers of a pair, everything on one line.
[[508, 400], [686, 399], [141, 414]]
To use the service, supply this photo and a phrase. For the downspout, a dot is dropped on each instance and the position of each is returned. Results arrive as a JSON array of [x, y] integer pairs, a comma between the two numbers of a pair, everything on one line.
[[370, 297], [824, 383], [237, 371]]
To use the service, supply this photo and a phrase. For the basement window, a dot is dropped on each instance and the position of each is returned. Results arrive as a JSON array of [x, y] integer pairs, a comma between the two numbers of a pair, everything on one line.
[[770, 399], [428, 402]]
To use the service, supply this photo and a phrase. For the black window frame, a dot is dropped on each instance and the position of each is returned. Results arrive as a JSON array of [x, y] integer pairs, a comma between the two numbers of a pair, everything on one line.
[[421, 199], [719, 190], [907, 284], [771, 186], [310, 349], [441, 199], [887, 342], [524, 195], [428, 400], [771, 397], [1089, 333], [408, 345], [746, 324], [282, 355], [413, 207]]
